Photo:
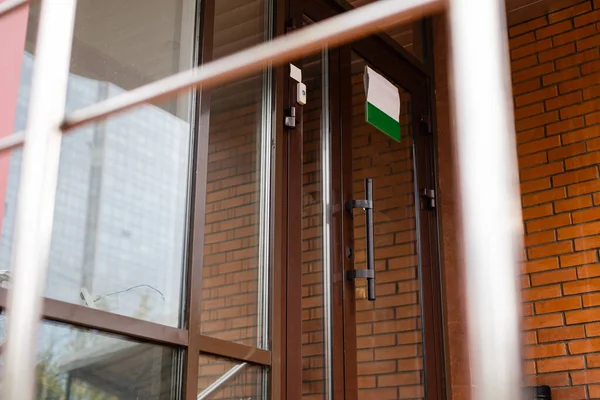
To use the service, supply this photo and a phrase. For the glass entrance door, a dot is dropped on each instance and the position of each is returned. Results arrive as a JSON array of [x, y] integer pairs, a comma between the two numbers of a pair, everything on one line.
[[339, 343], [389, 336]]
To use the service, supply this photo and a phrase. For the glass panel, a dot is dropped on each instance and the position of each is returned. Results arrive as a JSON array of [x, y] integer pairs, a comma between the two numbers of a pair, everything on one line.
[[315, 258], [74, 364], [389, 336], [220, 378], [408, 35], [120, 216], [236, 230]]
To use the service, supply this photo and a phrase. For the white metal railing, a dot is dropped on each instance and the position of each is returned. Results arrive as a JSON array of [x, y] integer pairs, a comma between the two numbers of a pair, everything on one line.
[[484, 137]]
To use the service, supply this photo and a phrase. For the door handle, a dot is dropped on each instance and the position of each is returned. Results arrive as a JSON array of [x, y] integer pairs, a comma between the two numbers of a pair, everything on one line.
[[366, 205]]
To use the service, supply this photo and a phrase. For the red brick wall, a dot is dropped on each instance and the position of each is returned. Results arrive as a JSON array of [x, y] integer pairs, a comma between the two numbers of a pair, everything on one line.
[[556, 72]]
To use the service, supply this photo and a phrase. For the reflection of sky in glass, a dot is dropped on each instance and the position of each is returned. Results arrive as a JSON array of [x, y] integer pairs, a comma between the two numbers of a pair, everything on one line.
[[119, 223]]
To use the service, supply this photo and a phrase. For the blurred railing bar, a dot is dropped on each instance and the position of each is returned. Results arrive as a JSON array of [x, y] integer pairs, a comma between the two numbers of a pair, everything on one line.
[[331, 32], [9, 6]]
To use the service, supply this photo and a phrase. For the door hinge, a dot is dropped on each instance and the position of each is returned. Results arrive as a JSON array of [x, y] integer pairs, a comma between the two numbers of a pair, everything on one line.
[[426, 121], [428, 196], [290, 118]]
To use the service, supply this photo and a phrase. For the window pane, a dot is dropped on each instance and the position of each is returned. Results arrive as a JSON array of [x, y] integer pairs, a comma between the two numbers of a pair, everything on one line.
[[83, 365], [389, 330], [220, 378], [234, 264], [118, 239]]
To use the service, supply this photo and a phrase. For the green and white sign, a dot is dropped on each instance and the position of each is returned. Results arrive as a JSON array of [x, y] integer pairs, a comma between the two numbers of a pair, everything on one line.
[[383, 104]]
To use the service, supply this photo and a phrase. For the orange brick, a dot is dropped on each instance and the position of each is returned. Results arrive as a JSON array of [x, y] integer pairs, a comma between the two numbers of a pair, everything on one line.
[[591, 214], [529, 49], [557, 305], [525, 283], [538, 95], [540, 265], [544, 197], [549, 250], [519, 41], [581, 286], [591, 93], [593, 144], [569, 12], [540, 238], [566, 151], [542, 171], [592, 119], [584, 44], [587, 243], [545, 351], [565, 126], [588, 271], [530, 73], [582, 161], [552, 380], [525, 87], [560, 76], [556, 52], [596, 198], [537, 212], [543, 224], [535, 186], [573, 204], [523, 63], [583, 316], [579, 109], [563, 101], [593, 360], [569, 393], [583, 188], [547, 278], [590, 67], [535, 121], [587, 18], [585, 377], [579, 135], [542, 321], [533, 159], [592, 330], [528, 111], [589, 229], [528, 136], [528, 26], [577, 176], [577, 58], [581, 83], [546, 292], [529, 337], [591, 300], [594, 391], [553, 30], [560, 364], [538, 145], [561, 334], [573, 35], [571, 260]]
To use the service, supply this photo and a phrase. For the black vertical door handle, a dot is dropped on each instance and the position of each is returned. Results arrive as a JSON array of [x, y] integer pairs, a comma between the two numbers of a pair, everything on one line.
[[367, 205]]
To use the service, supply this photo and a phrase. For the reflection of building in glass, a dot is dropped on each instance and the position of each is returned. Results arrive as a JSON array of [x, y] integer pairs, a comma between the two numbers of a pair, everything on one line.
[[119, 223]]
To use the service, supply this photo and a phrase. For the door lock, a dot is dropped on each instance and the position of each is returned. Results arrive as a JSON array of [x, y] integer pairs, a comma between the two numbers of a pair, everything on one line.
[[290, 118]]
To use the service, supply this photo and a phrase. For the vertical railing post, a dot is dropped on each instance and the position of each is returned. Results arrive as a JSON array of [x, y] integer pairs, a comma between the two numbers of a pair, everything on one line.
[[489, 194], [37, 191]]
